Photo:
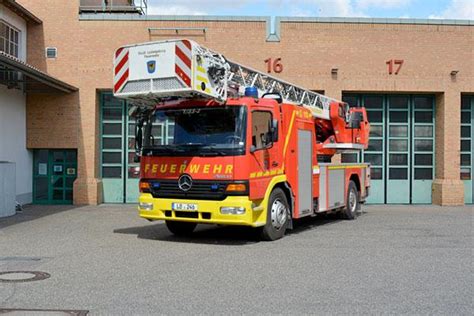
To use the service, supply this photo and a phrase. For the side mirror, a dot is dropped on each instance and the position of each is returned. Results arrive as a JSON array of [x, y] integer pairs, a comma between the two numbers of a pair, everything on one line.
[[274, 130], [355, 120]]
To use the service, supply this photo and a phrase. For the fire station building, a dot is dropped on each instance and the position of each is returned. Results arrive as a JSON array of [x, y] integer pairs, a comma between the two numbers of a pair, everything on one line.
[[415, 77]]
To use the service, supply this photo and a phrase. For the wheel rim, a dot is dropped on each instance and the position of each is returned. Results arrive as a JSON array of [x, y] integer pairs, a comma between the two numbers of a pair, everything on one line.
[[352, 201], [279, 214]]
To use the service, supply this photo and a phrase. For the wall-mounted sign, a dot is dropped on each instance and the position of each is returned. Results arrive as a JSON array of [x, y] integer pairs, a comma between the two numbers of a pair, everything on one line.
[[57, 168], [71, 171]]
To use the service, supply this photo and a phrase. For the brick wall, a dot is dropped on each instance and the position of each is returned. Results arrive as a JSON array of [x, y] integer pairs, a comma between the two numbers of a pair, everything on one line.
[[308, 52]]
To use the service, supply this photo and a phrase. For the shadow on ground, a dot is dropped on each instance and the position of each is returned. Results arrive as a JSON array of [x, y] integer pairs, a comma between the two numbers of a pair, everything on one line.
[[223, 235], [33, 212]]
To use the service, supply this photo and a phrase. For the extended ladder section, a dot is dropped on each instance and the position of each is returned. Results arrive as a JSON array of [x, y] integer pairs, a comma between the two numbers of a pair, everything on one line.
[[151, 73]]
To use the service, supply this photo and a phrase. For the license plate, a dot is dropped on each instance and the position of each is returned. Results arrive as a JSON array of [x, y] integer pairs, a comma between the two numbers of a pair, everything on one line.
[[184, 207]]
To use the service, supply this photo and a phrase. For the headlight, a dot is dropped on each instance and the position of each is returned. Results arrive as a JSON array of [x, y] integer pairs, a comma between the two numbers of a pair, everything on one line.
[[146, 206], [234, 210]]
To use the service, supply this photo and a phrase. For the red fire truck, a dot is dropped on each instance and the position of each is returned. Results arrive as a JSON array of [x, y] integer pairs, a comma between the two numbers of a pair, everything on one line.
[[247, 148]]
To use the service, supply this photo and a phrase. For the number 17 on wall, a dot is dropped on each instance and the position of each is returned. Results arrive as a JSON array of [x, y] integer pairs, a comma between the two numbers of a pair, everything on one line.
[[391, 63]]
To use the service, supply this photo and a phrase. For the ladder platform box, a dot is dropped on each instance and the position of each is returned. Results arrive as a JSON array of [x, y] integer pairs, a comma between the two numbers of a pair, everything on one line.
[[7, 189]]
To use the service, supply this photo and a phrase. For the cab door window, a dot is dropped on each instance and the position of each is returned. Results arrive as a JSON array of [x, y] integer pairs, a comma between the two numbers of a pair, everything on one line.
[[261, 129]]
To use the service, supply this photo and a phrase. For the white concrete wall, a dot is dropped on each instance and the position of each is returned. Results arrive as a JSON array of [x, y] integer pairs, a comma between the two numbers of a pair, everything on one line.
[[13, 121], [13, 140], [14, 20]]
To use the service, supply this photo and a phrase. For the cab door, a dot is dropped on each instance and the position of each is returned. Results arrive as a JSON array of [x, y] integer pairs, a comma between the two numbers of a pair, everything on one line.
[[264, 162]]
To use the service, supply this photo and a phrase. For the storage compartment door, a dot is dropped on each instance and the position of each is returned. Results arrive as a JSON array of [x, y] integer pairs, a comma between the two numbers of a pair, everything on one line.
[[305, 172]]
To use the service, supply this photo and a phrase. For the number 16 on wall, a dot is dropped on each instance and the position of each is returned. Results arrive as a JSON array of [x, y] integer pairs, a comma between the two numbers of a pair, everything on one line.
[[274, 65]]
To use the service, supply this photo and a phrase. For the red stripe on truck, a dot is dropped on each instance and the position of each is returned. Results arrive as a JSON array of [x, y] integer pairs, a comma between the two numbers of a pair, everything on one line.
[[183, 75], [121, 81], [121, 63], [186, 60]]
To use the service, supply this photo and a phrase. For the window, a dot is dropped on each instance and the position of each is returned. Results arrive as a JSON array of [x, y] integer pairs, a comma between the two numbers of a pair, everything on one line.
[[9, 39], [261, 129], [51, 52]]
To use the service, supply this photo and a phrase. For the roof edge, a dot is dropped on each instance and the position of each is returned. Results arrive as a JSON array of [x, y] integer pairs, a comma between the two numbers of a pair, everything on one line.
[[36, 73], [21, 11], [376, 20], [134, 17]]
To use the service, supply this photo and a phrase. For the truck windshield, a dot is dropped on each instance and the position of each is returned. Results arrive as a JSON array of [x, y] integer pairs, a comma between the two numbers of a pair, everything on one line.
[[209, 131]]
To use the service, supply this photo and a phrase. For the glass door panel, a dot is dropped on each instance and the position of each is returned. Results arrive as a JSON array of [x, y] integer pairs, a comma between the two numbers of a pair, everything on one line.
[[467, 147], [112, 148], [423, 145], [375, 154], [398, 153]]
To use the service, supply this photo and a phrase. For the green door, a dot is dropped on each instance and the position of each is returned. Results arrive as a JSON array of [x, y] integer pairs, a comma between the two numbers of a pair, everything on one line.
[[54, 175], [467, 146], [401, 146]]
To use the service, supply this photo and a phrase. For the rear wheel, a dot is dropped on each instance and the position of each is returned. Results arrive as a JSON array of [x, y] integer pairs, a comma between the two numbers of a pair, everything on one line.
[[352, 202], [278, 216], [180, 228]]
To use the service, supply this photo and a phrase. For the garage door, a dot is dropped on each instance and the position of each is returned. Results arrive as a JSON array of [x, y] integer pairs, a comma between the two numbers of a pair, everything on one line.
[[401, 146], [117, 134], [467, 147]]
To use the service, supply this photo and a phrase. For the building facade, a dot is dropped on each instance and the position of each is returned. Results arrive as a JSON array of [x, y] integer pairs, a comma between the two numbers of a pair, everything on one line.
[[415, 77], [18, 80]]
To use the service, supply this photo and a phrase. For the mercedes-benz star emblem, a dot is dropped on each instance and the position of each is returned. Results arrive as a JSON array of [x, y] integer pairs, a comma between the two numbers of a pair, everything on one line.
[[185, 182]]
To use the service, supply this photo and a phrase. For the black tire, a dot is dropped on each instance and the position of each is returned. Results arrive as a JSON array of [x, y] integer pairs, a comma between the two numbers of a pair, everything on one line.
[[181, 228], [350, 211], [277, 221]]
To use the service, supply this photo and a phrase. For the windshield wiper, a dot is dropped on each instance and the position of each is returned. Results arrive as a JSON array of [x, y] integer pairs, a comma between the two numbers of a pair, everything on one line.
[[190, 145], [167, 149], [213, 151]]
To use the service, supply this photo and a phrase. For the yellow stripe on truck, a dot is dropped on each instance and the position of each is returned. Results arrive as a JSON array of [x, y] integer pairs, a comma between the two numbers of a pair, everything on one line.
[[346, 167], [287, 139]]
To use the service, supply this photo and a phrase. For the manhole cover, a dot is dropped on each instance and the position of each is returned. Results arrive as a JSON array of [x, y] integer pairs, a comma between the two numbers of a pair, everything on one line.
[[23, 276]]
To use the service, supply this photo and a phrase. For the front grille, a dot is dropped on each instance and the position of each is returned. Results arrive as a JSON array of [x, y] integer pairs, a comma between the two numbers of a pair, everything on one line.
[[200, 190], [136, 86]]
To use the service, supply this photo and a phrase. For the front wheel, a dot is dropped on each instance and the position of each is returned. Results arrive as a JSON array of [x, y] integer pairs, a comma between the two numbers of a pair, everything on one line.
[[278, 216], [352, 202], [180, 228]]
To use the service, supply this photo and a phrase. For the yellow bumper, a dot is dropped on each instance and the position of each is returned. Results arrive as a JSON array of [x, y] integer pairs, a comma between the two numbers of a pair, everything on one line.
[[208, 211]]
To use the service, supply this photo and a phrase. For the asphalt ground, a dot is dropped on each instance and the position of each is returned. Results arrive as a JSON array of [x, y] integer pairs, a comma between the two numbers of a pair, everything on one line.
[[106, 260]]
